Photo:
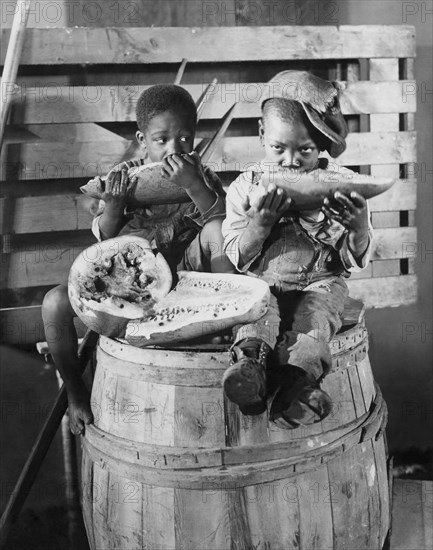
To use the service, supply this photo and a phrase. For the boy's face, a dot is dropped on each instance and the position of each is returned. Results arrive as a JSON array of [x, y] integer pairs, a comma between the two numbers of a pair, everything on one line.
[[166, 134], [288, 144]]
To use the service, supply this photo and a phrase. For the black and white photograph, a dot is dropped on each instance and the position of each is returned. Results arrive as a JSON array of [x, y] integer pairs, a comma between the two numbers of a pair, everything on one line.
[[216, 275]]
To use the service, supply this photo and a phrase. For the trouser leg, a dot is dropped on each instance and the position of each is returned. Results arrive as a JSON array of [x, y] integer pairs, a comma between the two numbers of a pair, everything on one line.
[[265, 329], [316, 317]]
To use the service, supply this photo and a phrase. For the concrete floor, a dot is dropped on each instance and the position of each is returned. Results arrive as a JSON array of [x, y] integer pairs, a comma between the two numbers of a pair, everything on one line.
[[45, 530], [28, 388]]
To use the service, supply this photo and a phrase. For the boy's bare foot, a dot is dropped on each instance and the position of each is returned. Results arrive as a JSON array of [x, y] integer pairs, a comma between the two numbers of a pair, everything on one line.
[[80, 413]]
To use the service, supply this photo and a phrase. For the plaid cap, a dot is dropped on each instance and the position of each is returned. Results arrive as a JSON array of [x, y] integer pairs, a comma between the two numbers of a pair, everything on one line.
[[319, 99]]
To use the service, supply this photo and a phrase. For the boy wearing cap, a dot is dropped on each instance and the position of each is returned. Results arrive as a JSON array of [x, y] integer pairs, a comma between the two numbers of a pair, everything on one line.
[[304, 256]]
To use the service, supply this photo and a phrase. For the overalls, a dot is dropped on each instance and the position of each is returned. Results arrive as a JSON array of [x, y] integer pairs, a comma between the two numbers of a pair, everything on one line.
[[308, 292]]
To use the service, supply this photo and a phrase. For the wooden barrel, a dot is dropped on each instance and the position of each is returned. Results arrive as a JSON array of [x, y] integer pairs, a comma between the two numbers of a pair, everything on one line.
[[171, 464]]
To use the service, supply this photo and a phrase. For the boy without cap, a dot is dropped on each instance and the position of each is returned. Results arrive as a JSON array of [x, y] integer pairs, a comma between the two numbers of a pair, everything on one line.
[[188, 235]]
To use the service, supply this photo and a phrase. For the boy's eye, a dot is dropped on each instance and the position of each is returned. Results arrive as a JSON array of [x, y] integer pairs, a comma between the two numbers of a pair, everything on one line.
[[185, 139], [277, 147], [161, 140], [306, 150]]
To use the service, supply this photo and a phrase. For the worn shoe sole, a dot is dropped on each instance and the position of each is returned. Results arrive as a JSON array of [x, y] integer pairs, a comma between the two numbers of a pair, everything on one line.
[[299, 407], [244, 385]]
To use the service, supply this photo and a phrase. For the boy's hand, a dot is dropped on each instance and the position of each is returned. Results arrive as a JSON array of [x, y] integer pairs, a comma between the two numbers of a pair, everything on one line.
[[183, 170], [118, 186], [352, 213], [269, 208]]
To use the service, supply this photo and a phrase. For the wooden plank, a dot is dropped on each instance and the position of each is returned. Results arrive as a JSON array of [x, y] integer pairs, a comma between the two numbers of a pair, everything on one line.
[[87, 159], [138, 410], [267, 529], [252, 429], [41, 160], [102, 529], [315, 510], [384, 123], [142, 411], [87, 104], [97, 393], [338, 386], [386, 170], [386, 268], [352, 75], [158, 517], [72, 132], [390, 243], [87, 495], [348, 493], [201, 522], [124, 511], [37, 268], [273, 514], [27, 215], [241, 530], [241, 153], [36, 215], [356, 391], [105, 399], [381, 458], [81, 45], [50, 265], [194, 425], [385, 219], [18, 242], [385, 291], [15, 134], [401, 196], [11, 62], [411, 515], [384, 69], [372, 464]]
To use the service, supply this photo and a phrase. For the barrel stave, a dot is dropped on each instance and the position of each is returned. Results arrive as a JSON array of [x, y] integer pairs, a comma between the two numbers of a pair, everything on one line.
[[173, 465]]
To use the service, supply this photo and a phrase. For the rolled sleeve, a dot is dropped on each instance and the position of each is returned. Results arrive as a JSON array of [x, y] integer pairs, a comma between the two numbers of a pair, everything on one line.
[[348, 259], [96, 220], [218, 208]]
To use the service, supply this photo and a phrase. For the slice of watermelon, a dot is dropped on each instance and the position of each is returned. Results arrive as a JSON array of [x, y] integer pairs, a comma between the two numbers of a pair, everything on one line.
[[200, 304], [306, 190]]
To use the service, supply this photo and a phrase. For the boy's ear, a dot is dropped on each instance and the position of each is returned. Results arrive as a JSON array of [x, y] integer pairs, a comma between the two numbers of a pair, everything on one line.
[[261, 131], [142, 143], [140, 138]]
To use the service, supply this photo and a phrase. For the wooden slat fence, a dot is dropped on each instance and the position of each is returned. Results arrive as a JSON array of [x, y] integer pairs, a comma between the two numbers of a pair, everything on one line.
[[73, 117]]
